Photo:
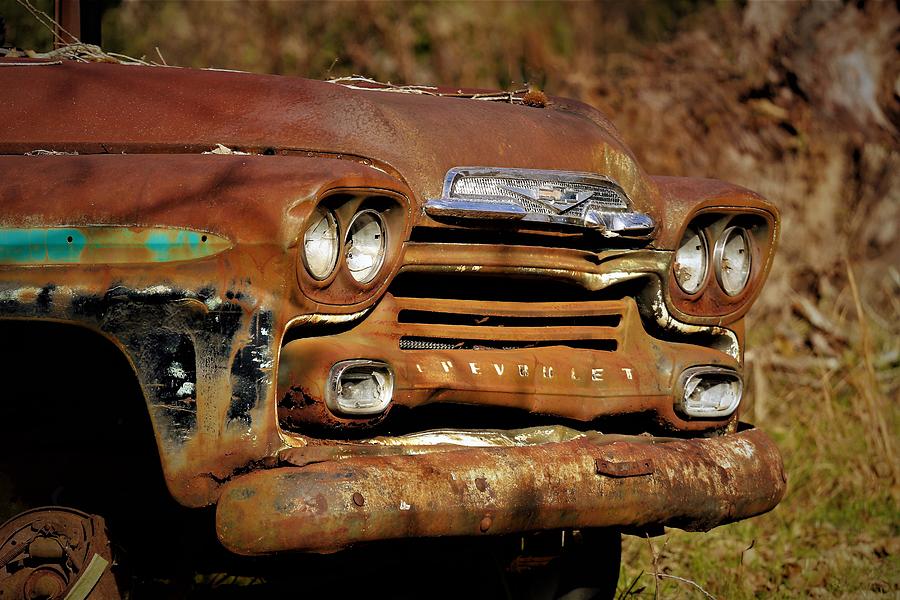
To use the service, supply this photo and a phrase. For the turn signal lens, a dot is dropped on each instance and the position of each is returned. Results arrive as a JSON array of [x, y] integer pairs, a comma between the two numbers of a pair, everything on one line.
[[710, 392], [691, 261], [359, 387], [731, 260]]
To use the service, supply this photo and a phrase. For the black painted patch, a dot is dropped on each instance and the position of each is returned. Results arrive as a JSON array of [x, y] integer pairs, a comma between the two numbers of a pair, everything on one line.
[[169, 366], [249, 371], [167, 339], [45, 298]]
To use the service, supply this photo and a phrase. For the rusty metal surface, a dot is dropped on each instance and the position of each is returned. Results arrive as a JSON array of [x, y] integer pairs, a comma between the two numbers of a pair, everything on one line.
[[445, 440], [202, 331], [627, 468], [225, 314], [694, 485], [48, 553], [162, 109]]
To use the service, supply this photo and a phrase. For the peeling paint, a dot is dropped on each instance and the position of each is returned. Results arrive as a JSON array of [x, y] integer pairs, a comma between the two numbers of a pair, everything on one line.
[[655, 303]]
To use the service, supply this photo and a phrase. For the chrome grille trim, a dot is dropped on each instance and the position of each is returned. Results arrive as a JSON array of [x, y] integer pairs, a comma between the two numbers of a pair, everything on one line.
[[605, 195]]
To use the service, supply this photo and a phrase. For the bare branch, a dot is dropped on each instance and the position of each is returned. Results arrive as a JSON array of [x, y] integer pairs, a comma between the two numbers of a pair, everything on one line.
[[688, 581]]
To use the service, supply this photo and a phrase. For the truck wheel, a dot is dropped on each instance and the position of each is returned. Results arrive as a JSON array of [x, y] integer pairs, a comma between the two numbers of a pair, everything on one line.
[[54, 553]]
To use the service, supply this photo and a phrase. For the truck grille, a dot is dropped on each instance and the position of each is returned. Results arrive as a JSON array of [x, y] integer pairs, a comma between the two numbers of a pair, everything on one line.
[[451, 324]]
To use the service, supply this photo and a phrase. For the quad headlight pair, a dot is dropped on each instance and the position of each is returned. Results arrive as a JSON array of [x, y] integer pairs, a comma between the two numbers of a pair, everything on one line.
[[365, 245], [731, 260]]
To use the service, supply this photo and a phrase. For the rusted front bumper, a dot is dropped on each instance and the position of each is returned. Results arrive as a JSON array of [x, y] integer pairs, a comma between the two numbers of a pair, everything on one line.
[[594, 481]]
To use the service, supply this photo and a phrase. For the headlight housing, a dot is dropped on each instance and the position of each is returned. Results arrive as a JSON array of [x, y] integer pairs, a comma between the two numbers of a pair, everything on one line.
[[692, 260], [321, 242], [719, 264], [349, 244]]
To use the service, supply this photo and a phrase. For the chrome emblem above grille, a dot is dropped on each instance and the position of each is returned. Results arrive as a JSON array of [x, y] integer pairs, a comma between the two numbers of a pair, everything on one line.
[[561, 198]]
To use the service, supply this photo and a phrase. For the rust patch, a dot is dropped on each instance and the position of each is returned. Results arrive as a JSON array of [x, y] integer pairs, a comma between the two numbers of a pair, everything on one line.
[[46, 552], [631, 468]]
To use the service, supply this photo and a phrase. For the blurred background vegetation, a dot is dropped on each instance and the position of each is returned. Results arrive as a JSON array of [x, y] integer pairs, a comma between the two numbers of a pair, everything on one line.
[[797, 100]]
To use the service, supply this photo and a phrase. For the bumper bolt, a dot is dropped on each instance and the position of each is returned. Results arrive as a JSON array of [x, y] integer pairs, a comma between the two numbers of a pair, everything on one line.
[[486, 524]]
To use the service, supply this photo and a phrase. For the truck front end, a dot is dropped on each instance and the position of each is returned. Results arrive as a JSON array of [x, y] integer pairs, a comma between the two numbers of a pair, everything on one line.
[[359, 314]]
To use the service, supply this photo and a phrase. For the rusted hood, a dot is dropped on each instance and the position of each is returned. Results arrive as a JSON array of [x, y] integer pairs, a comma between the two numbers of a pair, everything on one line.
[[98, 108]]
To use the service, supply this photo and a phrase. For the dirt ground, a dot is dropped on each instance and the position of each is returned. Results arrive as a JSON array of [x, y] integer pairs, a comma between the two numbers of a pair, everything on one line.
[[797, 100]]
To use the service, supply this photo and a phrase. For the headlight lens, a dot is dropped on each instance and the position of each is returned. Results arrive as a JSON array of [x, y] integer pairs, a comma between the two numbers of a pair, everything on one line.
[[691, 261], [732, 260], [320, 244], [366, 243]]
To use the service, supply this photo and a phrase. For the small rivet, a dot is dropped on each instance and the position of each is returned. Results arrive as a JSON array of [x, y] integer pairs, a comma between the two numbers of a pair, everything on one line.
[[358, 499], [481, 483], [486, 523]]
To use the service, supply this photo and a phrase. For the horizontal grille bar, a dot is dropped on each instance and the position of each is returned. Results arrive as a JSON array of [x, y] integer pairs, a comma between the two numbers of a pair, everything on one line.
[[504, 236], [434, 343], [493, 320]]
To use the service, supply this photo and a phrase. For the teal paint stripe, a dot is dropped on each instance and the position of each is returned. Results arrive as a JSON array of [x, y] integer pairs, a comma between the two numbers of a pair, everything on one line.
[[105, 245], [65, 245], [164, 244], [22, 246]]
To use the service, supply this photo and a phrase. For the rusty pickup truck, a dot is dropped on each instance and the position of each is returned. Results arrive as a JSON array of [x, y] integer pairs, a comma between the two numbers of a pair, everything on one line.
[[362, 314]]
